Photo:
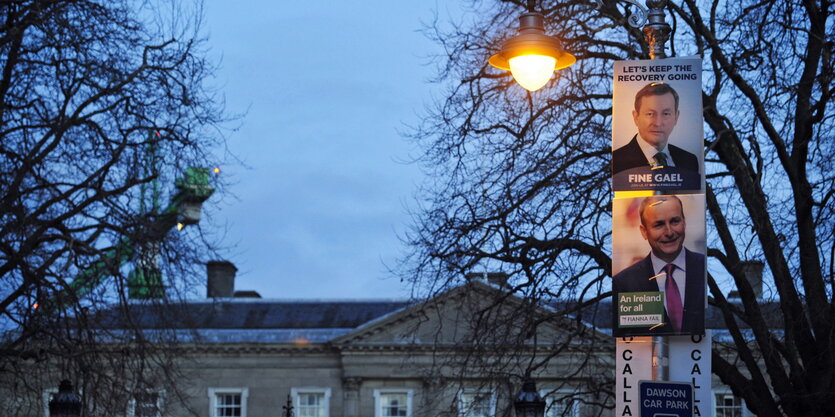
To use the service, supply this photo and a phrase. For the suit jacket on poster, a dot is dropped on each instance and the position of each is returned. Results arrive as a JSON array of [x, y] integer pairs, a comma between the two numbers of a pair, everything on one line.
[[630, 156], [636, 279]]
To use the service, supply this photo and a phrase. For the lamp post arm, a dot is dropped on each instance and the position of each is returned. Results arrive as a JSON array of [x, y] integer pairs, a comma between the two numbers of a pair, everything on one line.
[[637, 18], [656, 31]]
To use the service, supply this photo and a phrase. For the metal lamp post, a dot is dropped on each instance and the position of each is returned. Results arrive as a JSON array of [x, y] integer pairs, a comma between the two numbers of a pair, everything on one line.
[[65, 403], [657, 31], [529, 403], [532, 40]]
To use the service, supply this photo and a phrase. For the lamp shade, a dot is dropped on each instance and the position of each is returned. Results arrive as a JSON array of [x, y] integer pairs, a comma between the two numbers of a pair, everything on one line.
[[65, 403], [532, 56]]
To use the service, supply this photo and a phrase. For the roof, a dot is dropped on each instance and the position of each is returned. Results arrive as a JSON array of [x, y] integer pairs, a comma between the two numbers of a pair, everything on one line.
[[299, 337], [239, 314], [231, 320]]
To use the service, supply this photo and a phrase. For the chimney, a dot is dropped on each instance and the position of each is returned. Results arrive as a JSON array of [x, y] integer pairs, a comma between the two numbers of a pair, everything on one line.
[[498, 279], [220, 279], [753, 273]]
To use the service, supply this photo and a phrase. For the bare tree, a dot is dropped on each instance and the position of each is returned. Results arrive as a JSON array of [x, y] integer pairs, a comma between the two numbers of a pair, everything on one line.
[[485, 339], [520, 182], [102, 105]]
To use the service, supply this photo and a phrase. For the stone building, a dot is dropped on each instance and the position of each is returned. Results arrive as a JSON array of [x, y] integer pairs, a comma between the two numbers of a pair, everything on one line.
[[455, 354], [246, 356]]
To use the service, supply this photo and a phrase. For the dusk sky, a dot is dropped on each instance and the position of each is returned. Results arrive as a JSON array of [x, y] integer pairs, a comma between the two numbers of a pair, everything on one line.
[[327, 88]]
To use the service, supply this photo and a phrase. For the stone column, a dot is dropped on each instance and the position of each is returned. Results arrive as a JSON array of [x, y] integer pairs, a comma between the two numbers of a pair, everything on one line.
[[433, 389], [351, 396]]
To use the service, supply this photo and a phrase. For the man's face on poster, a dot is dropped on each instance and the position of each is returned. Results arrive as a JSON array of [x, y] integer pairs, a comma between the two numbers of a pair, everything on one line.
[[656, 118], [663, 225]]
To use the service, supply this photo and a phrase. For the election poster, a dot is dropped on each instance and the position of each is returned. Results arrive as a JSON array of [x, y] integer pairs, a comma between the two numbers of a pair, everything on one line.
[[657, 131], [633, 362], [658, 265], [690, 361]]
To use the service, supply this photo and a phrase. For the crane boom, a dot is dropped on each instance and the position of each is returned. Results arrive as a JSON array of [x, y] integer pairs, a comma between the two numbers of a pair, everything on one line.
[[184, 209]]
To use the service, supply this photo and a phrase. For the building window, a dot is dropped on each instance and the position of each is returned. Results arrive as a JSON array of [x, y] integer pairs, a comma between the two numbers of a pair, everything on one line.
[[561, 404], [227, 402], [311, 402], [147, 403], [392, 403], [728, 405], [476, 404]]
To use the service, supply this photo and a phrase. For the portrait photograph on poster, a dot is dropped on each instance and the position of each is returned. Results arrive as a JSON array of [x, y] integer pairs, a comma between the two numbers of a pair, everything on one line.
[[657, 131], [658, 265]]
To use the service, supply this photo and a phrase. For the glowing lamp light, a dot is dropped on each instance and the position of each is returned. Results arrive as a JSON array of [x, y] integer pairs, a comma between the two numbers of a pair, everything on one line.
[[532, 71], [301, 341], [532, 56]]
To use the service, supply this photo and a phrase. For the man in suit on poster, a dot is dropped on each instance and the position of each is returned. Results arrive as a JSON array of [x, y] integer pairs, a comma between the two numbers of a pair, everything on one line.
[[655, 115], [663, 226]]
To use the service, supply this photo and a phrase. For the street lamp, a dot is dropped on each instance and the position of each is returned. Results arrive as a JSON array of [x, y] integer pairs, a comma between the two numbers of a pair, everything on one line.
[[65, 403], [532, 56], [529, 403]]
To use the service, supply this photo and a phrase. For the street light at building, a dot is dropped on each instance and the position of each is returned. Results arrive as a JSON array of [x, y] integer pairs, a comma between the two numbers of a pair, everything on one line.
[[65, 403], [532, 56], [529, 403]]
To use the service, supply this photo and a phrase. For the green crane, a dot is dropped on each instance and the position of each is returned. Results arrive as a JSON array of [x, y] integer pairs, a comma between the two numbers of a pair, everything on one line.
[[146, 281]]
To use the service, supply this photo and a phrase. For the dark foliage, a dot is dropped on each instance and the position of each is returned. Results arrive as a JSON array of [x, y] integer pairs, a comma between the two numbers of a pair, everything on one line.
[[102, 105]]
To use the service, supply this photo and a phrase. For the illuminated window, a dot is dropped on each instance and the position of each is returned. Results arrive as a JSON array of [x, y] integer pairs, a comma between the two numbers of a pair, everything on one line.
[[476, 404], [227, 402], [311, 402], [392, 403]]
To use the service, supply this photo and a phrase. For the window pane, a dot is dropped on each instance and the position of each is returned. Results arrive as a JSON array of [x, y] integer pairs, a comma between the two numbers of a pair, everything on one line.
[[727, 405], [311, 404], [394, 404], [146, 404], [561, 408], [229, 405], [475, 404]]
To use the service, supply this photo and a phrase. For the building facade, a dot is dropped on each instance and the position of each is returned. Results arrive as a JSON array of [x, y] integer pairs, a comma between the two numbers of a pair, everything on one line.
[[461, 353]]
